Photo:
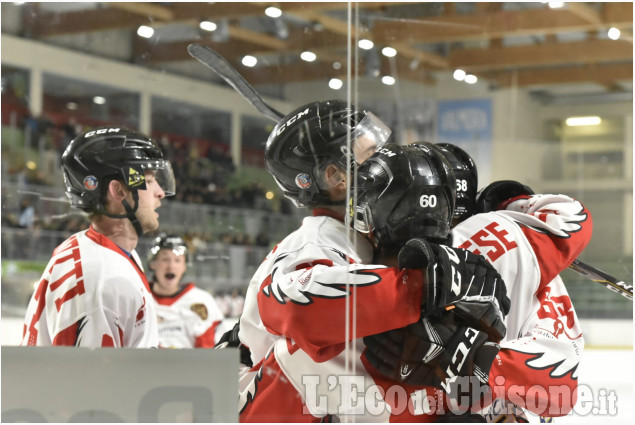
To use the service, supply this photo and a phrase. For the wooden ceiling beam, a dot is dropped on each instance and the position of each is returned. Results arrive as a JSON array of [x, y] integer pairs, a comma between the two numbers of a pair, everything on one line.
[[606, 75], [53, 24], [492, 25], [590, 51], [151, 10]]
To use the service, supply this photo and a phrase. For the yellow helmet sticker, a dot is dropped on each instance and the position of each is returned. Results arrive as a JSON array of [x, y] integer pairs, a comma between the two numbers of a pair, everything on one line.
[[135, 178]]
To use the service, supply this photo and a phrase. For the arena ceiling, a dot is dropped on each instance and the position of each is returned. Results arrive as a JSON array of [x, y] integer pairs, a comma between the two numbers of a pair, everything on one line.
[[553, 50]]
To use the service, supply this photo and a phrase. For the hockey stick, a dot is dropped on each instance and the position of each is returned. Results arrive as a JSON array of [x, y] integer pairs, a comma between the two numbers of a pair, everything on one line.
[[219, 65], [602, 278], [214, 61]]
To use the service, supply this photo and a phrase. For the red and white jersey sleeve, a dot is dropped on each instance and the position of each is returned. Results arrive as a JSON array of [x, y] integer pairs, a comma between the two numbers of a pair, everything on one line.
[[188, 319], [529, 243], [300, 291], [91, 295]]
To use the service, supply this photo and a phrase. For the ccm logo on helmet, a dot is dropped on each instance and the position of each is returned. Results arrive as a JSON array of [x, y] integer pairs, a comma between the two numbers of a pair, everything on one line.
[[291, 120], [386, 152], [102, 131]]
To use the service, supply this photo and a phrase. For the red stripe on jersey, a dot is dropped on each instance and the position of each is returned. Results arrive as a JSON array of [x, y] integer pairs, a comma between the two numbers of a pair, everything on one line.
[[107, 341], [171, 299], [393, 301], [41, 303], [513, 379], [554, 253], [68, 336], [206, 339], [323, 262], [275, 399]]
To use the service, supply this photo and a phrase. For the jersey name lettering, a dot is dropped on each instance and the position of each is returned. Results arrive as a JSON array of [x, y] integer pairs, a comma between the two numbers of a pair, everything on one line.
[[493, 237], [70, 252]]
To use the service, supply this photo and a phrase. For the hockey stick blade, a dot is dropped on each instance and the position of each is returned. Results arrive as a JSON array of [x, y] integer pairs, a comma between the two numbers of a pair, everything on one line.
[[602, 278], [219, 65]]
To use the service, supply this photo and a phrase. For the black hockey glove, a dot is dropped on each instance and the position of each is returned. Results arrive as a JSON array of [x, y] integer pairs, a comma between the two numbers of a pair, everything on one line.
[[230, 339], [437, 351], [494, 194], [453, 274]]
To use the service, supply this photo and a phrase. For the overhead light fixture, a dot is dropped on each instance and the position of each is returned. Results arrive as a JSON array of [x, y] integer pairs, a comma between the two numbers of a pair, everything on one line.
[[337, 65], [99, 100], [269, 195], [365, 44], [308, 56], [556, 4], [71, 105], [470, 79], [207, 26], [389, 52], [249, 61], [388, 80], [459, 75], [580, 121], [335, 83], [614, 33], [145, 31], [273, 12]]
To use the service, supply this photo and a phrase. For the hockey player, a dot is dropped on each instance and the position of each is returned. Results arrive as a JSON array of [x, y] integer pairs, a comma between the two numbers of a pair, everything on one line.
[[188, 316], [303, 287], [529, 239], [93, 292]]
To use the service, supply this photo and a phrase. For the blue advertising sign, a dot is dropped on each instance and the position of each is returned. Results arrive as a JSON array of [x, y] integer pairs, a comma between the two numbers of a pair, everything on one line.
[[468, 124]]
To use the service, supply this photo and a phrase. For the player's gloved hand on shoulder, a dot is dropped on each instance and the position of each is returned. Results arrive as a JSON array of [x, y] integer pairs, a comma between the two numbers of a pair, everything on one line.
[[437, 351], [452, 275], [492, 198]]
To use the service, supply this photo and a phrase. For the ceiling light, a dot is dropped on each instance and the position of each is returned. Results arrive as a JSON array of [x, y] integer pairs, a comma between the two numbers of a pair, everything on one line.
[[389, 52], [99, 100], [388, 80], [269, 195], [71, 105], [249, 61], [145, 31], [335, 83], [614, 33], [556, 4], [308, 56], [273, 12], [207, 26], [470, 79], [365, 44], [459, 75], [578, 121], [337, 65]]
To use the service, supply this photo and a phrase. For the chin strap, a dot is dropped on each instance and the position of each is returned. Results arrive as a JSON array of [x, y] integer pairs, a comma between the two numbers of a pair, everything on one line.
[[130, 213]]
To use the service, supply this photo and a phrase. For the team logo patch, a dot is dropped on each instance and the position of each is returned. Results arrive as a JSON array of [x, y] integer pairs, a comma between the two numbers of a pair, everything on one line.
[[199, 309], [90, 182], [303, 181]]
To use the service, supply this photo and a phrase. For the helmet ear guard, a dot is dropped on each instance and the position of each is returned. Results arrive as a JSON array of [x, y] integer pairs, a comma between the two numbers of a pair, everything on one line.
[[466, 180]]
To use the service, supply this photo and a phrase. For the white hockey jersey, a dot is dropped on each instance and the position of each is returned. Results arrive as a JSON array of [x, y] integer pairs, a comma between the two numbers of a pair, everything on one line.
[[91, 295], [187, 319], [529, 244]]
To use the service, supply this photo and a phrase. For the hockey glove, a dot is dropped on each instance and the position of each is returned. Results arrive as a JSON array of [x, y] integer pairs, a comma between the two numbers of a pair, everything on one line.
[[437, 351], [453, 274], [230, 340], [492, 198]]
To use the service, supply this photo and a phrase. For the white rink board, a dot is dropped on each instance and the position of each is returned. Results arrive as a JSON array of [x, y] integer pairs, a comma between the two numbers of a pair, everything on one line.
[[70, 384]]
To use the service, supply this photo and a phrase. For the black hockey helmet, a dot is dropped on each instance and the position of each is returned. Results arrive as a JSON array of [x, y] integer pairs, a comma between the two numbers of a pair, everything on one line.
[[310, 138], [100, 155], [404, 192], [466, 180], [174, 243]]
